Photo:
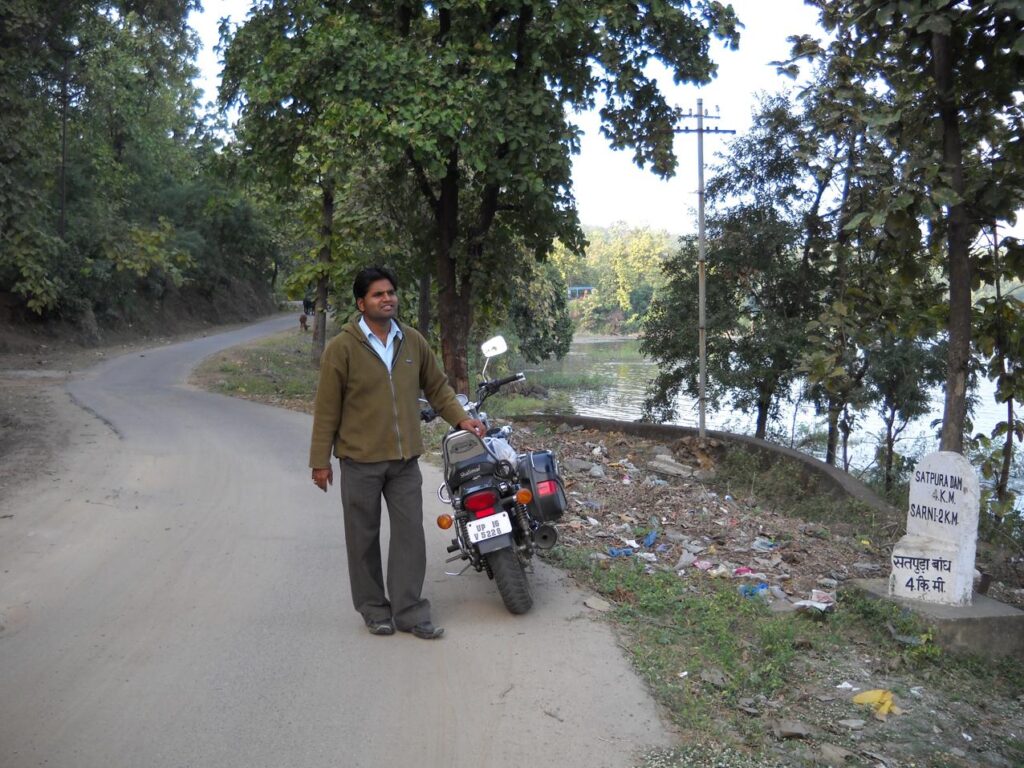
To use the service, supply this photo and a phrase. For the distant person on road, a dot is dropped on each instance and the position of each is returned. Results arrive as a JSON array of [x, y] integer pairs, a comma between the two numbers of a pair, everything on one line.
[[367, 411], [308, 306]]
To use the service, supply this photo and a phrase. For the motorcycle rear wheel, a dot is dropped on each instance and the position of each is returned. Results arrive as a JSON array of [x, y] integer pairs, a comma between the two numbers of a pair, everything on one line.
[[510, 576]]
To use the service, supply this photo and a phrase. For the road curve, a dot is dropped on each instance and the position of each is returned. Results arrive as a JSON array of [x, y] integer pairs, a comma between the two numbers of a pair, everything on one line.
[[175, 593]]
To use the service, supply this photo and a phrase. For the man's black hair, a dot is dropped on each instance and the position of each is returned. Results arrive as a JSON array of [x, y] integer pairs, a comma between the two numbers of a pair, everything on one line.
[[369, 275]]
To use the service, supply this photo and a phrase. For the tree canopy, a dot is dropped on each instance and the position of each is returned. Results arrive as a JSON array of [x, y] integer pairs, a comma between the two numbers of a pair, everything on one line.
[[468, 104], [111, 193]]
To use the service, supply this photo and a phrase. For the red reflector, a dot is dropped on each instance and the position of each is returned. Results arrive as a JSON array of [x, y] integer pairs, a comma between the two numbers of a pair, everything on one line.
[[482, 501], [547, 488]]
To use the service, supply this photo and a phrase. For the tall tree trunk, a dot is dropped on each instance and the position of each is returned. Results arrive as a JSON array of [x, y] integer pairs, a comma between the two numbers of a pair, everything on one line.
[[762, 420], [954, 414], [890, 447], [764, 404], [834, 408], [326, 236], [1002, 484], [423, 316], [455, 316], [454, 309], [845, 428], [1002, 487]]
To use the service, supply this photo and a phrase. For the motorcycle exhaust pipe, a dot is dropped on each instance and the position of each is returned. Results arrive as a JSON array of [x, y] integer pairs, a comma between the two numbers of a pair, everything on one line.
[[545, 537]]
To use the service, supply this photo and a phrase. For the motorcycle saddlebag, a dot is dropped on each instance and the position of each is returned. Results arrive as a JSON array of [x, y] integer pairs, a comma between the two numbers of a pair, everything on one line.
[[538, 471]]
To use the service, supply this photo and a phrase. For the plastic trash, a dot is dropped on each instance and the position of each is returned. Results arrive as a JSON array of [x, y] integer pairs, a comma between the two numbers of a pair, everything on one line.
[[778, 593], [703, 565], [881, 700], [820, 602], [754, 590], [650, 557], [650, 538], [743, 570], [620, 551], [763, 544]]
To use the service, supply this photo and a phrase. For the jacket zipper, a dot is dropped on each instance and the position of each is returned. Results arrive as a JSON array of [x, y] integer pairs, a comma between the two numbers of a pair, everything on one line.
[[391, 383], [394, 397]]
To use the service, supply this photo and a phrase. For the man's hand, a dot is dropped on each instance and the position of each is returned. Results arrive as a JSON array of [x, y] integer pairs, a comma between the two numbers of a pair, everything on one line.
[[323, 477], [473, 425]]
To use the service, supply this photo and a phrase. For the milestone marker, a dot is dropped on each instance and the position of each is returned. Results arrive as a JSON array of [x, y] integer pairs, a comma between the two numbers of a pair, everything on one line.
[[934, 562]]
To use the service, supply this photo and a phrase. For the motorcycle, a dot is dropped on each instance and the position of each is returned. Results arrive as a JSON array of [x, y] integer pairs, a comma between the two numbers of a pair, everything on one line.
[[503, 502]]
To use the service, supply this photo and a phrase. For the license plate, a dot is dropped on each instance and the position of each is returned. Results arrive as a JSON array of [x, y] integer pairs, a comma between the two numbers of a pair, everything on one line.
[[489, 527]]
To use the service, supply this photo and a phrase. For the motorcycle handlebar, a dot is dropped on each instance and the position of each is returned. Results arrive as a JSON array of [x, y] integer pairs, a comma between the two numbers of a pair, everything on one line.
[[499, 383]]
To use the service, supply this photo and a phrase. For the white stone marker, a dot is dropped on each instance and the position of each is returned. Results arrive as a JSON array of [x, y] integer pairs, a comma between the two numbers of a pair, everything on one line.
[[934, 562]]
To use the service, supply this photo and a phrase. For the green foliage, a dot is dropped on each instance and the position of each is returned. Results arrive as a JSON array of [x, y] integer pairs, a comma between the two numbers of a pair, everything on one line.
[[761, 289], [110, 193], [465, 106], [924, 98], [624, 267], [901, 374]]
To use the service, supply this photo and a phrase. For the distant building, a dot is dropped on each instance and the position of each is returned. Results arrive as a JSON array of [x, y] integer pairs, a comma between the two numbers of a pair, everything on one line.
[[579, 291]]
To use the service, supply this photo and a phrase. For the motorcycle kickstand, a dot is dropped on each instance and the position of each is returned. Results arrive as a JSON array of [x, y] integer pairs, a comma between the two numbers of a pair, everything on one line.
[[458, 573]]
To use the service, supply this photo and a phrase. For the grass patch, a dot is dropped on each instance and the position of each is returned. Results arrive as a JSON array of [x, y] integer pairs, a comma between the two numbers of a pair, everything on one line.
[[626, 350], [276, 369], [510, 406], [709, 654], [569, 381], [793, 490], [702, 647]]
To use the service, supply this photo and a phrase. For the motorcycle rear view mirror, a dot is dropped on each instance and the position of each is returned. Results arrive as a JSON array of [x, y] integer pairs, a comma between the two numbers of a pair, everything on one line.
[[494, 347]]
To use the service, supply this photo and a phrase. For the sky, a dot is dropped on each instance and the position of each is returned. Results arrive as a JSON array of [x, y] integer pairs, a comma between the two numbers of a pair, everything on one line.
[[608, 187]]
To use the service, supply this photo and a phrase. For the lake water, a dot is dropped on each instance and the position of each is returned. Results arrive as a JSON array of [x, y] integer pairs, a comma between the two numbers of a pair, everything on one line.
[[628, 376]]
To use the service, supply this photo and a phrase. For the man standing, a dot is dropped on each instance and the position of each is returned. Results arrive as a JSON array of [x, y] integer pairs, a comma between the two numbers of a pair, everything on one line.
[[367, 410]]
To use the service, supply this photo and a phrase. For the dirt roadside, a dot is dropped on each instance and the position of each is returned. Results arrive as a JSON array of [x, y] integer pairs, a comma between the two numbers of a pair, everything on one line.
[[37, 416]]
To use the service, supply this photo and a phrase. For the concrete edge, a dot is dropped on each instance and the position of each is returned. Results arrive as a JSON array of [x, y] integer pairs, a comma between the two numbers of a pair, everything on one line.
[[985, 628]]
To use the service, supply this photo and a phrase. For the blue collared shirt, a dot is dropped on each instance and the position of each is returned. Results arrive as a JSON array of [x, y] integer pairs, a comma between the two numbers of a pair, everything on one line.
[[385, 352]]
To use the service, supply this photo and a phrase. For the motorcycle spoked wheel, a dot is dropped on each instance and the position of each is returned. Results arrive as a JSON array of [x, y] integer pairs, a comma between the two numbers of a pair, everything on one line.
[[510, 576]]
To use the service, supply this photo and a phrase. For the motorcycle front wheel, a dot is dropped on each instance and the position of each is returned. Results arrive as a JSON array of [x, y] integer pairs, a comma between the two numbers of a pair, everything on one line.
[[510, 576]]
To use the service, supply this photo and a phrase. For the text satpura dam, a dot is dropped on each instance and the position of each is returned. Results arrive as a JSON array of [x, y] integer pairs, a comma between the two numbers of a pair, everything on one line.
[[940, 479]]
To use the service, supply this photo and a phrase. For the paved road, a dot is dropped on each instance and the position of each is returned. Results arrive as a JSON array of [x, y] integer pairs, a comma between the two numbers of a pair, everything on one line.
[[175, 594]]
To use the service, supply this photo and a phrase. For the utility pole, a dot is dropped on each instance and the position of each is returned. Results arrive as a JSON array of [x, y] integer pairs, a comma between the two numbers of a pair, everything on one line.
[[700, 130]]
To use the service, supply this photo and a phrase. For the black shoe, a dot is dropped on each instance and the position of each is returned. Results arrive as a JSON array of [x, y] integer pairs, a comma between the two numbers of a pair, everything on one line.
[[380, 626], [425, 631]]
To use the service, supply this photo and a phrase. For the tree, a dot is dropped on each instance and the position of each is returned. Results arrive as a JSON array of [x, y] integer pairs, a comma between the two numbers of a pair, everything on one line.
[[902, 373], [999, 322], [950, 74], [108, 198], [470, 100]]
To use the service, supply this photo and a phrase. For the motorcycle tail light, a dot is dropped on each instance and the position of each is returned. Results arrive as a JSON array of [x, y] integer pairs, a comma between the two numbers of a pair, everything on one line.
[[524, 496], [481, 503], [444, 522], [547, 488]]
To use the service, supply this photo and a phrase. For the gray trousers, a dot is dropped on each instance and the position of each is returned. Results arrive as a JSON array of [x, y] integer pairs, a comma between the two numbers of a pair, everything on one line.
[[401, 485]]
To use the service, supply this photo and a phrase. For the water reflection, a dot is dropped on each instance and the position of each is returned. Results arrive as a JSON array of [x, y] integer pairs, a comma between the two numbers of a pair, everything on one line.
[[625, 376]]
